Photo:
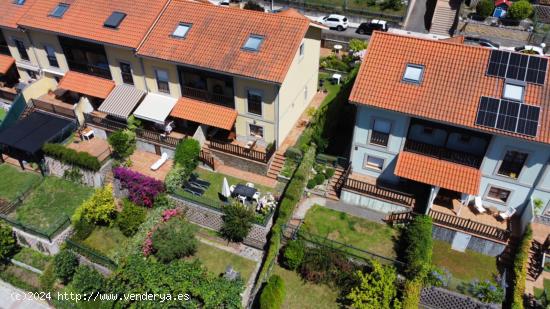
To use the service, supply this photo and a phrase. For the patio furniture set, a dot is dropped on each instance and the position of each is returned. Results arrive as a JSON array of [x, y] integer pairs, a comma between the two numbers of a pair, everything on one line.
[[247, 194], [501, 215], [195, 185]]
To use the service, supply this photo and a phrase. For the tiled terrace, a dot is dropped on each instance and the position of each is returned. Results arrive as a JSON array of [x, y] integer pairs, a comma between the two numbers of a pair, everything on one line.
[[96, 147], [467, 212], [142, 161]]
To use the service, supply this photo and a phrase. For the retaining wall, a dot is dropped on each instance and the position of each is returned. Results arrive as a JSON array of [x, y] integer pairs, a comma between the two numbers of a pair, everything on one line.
[[90, 178]]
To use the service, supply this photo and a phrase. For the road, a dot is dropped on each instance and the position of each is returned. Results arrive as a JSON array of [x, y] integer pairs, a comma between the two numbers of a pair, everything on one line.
[[8, 299], [348, 33]]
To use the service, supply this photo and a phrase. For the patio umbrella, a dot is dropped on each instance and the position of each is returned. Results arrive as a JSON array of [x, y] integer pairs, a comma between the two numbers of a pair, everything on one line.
[[225, 188]]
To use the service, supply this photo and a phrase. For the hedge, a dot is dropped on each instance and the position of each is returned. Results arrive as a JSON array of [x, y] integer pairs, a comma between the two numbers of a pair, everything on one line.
[[411, 294], [521, 261], [273, 294], [418, 243], [72, 157]]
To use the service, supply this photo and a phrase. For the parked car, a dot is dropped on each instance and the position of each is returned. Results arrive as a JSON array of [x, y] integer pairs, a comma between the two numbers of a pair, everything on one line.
[[375, 24], [334, 21], [482, 42]]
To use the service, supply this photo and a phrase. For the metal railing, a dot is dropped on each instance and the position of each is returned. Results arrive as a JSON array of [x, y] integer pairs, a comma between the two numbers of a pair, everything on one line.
[[386, 194], [91, 254], [104, 123], [443, 153], [202, 94], [244, 152], [379, 138]]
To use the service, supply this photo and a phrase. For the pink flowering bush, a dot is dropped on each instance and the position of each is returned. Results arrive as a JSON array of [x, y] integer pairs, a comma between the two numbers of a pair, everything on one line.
[[142, 189], [148, 248], [169, 213]]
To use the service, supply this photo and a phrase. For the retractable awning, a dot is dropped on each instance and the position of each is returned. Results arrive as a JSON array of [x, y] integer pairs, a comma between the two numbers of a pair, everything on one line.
[[5, 63], [206, 113], [86, 84], [122, 101], [155, 107]]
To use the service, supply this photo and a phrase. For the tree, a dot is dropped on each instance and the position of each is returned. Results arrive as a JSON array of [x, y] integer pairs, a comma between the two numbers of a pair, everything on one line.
[[87, 280], [418, 243], [237, 222], [123, 143], [187, 154], [485, 8], [65, 265], [253, 6], [392, 4], [99, 208], [520, 10], [8, 244], [376, 289], [130, 218], [356, 45], [273, 294], [294, 254], [174, 239]]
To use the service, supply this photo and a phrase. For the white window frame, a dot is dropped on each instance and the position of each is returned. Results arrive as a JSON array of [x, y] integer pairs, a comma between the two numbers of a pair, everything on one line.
[[373, 167], [157, 80], [509, 91], [257, 125], [496, 200], [259, 93], [412, 79]]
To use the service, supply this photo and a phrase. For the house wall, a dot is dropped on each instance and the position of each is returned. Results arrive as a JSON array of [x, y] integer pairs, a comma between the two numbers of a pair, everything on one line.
[[150, 79], [116, 55], [10, 35], [42, 39]]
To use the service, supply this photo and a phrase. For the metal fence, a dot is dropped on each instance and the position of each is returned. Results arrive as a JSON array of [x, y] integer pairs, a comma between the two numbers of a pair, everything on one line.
[[91, 254], [31, 230]]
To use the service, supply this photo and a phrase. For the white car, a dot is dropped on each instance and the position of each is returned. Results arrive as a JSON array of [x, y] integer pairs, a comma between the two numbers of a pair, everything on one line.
[[334, 21]]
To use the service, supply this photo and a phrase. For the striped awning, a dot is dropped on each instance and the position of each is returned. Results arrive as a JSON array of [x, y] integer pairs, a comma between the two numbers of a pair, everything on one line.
[[122, 101], [5, 63]]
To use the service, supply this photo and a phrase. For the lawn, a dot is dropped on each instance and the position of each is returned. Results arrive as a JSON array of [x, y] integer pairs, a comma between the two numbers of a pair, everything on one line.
[[305, 295], [354, 231], [32, 258], [2, 114], [105, 240], [539, 292], [50, 204], [464, 266], [20, 277], [19, 181], [216, 261]]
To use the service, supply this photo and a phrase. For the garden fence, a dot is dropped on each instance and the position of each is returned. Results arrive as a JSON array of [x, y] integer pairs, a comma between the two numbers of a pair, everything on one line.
[[35, 232], [91, 254]]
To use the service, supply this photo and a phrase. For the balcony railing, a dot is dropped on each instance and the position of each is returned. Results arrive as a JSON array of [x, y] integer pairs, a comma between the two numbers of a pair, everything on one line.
[[387, 194], [243, 152], [158, 137], [89, 69], [8, 94], [104, 123], [60, 108], [443, 153], [379, 138], [207, 96]]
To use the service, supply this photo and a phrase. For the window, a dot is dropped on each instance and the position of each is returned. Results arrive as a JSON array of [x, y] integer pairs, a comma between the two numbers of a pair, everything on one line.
[[162, 81], [253, 43], [498, 194], [126, 72], [21, 49], [413, 73], [114, 20], [513, 92], [50, 54], [256, 130], [512, 164], [181, 30], [380, 132], [302, 48], [32, 74], [19, 2], [254, 102], [374, 163], [59, 10]]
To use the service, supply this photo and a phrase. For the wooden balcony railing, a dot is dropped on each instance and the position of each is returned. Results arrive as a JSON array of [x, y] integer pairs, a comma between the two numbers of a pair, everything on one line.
[[208, 96], [387, 194], [443, 153], [243, 152], [63, 109], [379, 138], [8, 94], [158, 137], [104, 123]]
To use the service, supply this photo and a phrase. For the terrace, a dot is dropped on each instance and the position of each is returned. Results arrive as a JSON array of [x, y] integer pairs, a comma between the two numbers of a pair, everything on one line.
[[142, 162]]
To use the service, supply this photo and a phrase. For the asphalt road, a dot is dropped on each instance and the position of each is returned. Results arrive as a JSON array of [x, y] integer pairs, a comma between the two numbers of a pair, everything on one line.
[[8, 298], [349, 33]]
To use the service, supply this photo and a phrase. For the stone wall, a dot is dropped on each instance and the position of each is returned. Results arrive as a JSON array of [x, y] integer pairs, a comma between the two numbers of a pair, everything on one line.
[[240, 163], [41, 244], [90, 178], [353, 198], [477, 244]]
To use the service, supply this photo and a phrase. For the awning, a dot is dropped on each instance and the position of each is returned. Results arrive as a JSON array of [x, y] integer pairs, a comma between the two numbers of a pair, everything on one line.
[[155, 107], [5, 63], [86, 84], [31, 133], [440, 173], [122, 101], [206, 113]]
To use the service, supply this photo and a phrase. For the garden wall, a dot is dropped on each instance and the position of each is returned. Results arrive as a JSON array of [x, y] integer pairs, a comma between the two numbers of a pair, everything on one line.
[[370, 203], [240, 163], [90, 178], [477, 244], [146, 146], [41, 244]]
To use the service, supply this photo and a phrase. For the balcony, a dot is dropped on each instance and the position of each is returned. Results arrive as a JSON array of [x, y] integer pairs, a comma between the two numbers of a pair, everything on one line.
[[50, 104], [92, 69], [368, 186], [379, 138], [7, 93], [443, 153], [261, 155], [207, 96]]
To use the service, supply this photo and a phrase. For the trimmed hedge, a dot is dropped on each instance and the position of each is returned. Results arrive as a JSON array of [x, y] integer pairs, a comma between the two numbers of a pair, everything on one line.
[[72, 157], [418, 243], [273, 294], [411, 294], [521, 261]]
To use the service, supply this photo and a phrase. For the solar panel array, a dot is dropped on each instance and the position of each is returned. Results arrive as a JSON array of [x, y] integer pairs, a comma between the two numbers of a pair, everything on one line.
[[505, 64], [508, 116]]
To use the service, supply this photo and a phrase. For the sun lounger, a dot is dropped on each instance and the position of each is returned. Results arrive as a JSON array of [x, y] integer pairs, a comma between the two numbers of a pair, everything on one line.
[[160, 162], [199, 182], [478, 205], [188, 187]]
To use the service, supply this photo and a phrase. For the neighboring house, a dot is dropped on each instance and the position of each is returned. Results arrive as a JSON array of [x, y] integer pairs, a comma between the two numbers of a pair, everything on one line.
[[501, 8], [441, 127]]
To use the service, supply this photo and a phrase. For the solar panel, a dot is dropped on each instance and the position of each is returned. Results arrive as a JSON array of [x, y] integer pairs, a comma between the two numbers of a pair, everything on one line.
[[536, 70], [528, 120], [508, 115], [487, 112], [498, 62], [517, 66], [531, 69], [114, 20]]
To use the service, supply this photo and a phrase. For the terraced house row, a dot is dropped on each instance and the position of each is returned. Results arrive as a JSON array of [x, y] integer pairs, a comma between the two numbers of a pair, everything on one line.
[[235, 80]]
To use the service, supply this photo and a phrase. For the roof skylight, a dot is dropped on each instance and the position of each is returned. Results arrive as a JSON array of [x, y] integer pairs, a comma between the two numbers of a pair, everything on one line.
[[181, 30], [513, 92], [114, 20], [413, 73], [253, 42], [59, 10]]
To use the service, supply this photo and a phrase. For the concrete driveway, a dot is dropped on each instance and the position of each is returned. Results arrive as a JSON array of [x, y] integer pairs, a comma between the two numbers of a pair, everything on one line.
[[420, 16], [8, 299]]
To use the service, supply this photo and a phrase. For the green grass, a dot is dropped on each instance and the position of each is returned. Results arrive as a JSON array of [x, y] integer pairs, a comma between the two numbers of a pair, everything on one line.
[[32, 258], [464, 266], [105, 240], [16, 181], [49, 205], [20, 277], [2, 114], [539, 291], [216, 261], [354, 231], [305, 295]]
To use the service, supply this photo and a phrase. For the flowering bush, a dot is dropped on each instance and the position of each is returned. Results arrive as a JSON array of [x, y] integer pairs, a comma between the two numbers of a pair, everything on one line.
[[142, 189], [486, 291], [438, 277], [169, 213], [147, 248]]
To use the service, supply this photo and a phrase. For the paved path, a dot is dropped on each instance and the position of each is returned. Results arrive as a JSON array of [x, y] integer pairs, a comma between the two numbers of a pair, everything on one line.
[[8, 301]]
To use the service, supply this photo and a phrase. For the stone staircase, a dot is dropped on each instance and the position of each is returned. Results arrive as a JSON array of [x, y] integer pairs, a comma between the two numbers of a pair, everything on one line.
[[331, 188], [276, 165], [109, 177], [536, 255], [444, 17]]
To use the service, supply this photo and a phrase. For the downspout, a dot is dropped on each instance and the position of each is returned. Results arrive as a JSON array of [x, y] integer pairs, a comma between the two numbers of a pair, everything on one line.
[[277, 89]]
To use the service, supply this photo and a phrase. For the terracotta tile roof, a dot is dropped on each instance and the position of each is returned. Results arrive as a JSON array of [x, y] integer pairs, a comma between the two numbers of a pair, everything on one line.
[[85, 19], [205, 113], [458, 39], [86, 84], [436, 172], [12, 12], [5, 63], [453, 81], [218, 34]]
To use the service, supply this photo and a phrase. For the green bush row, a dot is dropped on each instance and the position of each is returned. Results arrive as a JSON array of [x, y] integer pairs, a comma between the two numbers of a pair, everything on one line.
[[411, 294], [72, 157], [521, 261], [273, 294]]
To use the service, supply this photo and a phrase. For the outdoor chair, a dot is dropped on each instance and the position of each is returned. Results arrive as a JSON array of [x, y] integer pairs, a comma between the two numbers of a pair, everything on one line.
[[507, 214], [256, 196], [249, 184], [188, 187], [199, 182], [478, 205]]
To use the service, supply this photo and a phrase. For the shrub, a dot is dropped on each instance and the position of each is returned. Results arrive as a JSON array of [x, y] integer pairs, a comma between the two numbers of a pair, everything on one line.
[[392, 5], [273, 294], [237, 222], [163, 201], [47, 279], [311, 184], [376, 289], [520, 10], [319, 178], [521, 261], [329, 172], [73, 175], [123, 143], [187, 154], [486, 291], [130, 218], [65, 265], [98, 209], [294, 153], [142, 190], [174, 239], [334, 63], [485, 8], [325, 265], [418, 242], [82, 229], [294, 254], [411, 294], [71, 156], [253, 6], [87, 280], [8, 243], [133, 123], [356, 45], [175, 178]]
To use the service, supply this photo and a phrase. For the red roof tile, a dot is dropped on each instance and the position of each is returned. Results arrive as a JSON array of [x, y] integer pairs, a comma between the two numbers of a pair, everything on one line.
[[11, 12], [86, 84], [85, 19], [218, 34], [5, 63], [453, 81], [436, 172], [205, 113]]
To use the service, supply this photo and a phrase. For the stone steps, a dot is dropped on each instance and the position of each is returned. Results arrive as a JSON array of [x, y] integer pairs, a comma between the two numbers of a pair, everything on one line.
[[331, 188], [443, 18], [276, 165]]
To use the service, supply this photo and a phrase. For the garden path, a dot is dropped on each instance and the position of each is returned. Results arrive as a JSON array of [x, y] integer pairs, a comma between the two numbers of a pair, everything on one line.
[[362, 212]]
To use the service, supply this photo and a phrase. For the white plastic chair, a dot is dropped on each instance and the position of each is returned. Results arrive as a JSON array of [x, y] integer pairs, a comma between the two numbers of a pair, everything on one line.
[[256, 196], [507, 214], [478, 205], [249, 184], [160, 162], [242, 199]]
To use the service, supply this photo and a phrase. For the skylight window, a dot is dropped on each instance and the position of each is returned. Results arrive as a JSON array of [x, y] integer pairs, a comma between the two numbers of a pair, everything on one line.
[[114, 20], [181, 30], [19, 2], [513, 92], [413, 73], [59, 10], [253, 43]]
